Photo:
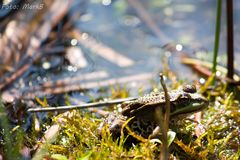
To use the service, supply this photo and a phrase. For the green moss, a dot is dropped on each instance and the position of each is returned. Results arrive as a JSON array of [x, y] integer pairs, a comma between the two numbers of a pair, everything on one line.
[[79, 137]]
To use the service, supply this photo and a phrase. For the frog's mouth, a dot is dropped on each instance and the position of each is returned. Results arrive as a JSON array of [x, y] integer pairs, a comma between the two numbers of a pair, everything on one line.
[[194, 106]]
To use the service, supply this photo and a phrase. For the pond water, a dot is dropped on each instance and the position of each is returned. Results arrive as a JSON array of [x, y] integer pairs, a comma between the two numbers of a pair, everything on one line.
[[129, 41], [190, 25]]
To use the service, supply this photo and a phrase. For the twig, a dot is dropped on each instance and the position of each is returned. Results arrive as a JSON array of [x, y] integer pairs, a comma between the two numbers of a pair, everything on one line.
[[82, 106], [165, 124], [14, 76], [167, 100], [102, 50], [28, 62], [38, 34], [203, 68], [66, 85]]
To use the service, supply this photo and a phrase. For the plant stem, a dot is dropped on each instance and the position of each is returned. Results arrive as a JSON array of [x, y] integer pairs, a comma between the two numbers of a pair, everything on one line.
[[81, 106], [217, 35], [230, 39], [165, 124]]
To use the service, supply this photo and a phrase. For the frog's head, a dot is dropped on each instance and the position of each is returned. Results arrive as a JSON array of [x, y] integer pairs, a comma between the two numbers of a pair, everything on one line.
[[187, 100]]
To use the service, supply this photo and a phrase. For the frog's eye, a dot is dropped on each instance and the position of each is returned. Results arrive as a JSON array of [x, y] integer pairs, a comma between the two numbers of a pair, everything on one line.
[[183, 101], [183, 98], [189, 88]]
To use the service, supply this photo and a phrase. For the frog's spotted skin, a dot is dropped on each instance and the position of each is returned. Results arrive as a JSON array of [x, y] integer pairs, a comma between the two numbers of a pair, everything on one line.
[[143, 127], [115, 122], [182, 101], [179, 100]]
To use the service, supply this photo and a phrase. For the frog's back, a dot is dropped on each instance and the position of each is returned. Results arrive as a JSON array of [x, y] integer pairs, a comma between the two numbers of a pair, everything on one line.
[[148, 102], [158, 97]]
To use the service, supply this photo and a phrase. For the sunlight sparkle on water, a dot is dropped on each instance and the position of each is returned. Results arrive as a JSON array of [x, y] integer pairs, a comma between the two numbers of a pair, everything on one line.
[[202, 80], [74, 42], [46, 65], [179, 47], [44, 79], [72, 68], [106, 2]]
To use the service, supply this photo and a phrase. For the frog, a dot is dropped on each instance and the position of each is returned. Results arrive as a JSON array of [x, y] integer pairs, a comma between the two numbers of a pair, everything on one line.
[[139, 114]]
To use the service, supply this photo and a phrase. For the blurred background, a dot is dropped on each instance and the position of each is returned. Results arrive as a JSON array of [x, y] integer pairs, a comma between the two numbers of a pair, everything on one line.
[[69, 46]]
